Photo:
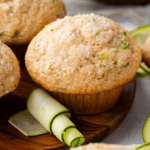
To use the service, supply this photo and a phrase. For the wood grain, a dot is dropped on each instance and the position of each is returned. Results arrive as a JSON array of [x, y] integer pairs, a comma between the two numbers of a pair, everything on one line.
[[93, 127]]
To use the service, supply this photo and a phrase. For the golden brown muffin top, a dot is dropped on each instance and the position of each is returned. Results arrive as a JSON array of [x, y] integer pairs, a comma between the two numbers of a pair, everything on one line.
[[101, 146], [9, 70], [83, 54], [21, 20]]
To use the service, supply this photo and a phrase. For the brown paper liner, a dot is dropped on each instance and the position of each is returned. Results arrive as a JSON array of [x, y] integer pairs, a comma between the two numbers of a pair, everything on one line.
[[19, 51], [89, 104]]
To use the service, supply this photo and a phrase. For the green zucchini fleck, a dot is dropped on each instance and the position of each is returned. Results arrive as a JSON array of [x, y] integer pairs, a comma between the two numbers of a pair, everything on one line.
[[102, 56], [114, 40], [58, 16], [98, 32], [55, 1], [62, 88], [106, 54], [125, 65], [94, 20], [1, 34], [10, 8], [18, 33], [125, 46], [124, 43], [103, 75], [124, 33], [103, 65], [110, 69], [6, 33]]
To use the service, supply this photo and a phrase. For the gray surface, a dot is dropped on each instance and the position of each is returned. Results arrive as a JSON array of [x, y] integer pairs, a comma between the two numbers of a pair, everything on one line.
[[140, 15], [130, 130]]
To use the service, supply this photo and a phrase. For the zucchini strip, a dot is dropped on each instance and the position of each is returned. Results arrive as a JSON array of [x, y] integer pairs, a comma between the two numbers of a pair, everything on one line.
[[27, 124], [140, 72], [51, 117], [72, 137], [45, 108], [145, 146], [146, 130], [60, 124], [144, 67]]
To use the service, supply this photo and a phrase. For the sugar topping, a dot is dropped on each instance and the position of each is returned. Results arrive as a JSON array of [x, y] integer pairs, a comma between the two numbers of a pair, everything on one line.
[[9, 70], [23, 19], [86, 50], [101, 146]]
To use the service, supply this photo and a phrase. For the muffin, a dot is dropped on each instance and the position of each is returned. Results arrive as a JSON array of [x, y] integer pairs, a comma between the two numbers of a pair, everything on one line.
[[84, 62], [146, 51], [23, 19], [9, 70], [101, 146], [126, 2]]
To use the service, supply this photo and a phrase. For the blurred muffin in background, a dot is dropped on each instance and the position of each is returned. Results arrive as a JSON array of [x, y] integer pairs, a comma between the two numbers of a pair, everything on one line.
[[123, 2], [101, 146], [146, 52], [84, 61], [9, 70], [21, 20]]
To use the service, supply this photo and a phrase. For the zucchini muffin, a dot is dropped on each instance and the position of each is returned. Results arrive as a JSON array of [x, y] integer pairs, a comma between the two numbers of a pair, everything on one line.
[[23, 19], [84, 61], [101, 146], [9, 70], [146, 51]]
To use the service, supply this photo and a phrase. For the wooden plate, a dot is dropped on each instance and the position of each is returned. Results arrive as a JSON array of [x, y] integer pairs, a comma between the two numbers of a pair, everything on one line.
[[93, 127]]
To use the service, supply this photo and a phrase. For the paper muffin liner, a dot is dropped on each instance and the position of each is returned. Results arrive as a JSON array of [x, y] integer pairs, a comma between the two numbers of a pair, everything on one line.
[[89, 104], [19, 51]]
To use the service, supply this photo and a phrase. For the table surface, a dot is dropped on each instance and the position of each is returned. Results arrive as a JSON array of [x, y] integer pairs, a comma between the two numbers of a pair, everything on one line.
[[130, 130]]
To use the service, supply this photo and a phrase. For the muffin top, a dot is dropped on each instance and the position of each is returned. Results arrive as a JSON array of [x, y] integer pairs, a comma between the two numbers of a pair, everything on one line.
[[83, 54], [101, 146], [21, 20], [146, 51], [9, 70]]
